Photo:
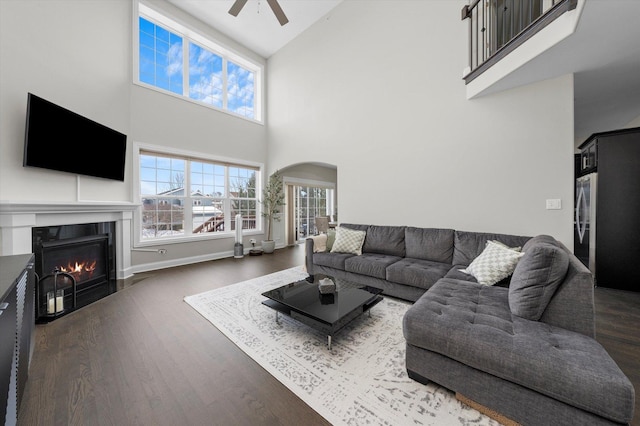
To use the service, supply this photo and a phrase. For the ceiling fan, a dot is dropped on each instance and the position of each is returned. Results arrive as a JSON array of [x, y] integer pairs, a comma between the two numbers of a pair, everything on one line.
[[277, 10]]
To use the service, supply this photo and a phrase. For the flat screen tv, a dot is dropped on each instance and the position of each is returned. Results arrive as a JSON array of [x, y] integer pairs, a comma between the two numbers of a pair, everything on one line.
[[59, 139]]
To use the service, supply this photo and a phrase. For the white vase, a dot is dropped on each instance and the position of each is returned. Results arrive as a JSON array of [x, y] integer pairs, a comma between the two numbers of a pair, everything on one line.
[[268, 246]]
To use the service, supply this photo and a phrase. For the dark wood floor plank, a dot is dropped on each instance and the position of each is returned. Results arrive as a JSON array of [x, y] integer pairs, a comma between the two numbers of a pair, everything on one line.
[[618, 331], [142, 356]]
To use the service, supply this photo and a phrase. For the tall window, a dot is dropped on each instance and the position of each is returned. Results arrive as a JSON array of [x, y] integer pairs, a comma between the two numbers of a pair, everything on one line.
[[178, 60], [183, 196]]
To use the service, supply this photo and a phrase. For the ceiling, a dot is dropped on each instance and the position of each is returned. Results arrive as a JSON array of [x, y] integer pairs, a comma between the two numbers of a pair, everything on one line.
[[256, 27], [603, 53]]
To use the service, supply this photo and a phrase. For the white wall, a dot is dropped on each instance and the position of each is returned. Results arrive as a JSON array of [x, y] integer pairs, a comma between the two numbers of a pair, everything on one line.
[[78, 54], [376, 88]]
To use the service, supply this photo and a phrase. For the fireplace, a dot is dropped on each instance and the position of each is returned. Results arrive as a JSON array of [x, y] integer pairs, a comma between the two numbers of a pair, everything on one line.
[[75, 265]]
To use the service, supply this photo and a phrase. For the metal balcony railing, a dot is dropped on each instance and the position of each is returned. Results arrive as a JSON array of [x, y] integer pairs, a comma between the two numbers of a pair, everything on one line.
[[497, 27]]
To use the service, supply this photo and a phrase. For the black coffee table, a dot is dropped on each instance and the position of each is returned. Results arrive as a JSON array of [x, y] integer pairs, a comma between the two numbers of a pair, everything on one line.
[[327, 313]]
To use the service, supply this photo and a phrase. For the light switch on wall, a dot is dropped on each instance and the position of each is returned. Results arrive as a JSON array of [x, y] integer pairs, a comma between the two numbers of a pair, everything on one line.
[[554, 204]]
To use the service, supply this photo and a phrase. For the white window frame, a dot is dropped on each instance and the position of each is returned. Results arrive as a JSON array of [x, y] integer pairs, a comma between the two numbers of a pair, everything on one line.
[[188, 34], [192, 156]]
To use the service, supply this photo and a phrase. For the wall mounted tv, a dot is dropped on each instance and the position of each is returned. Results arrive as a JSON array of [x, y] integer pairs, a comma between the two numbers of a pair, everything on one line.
[[59, 139]]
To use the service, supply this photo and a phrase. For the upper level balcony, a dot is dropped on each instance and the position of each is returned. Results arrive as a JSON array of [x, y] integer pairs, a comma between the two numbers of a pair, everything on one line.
[[498, 27], [513, 43]]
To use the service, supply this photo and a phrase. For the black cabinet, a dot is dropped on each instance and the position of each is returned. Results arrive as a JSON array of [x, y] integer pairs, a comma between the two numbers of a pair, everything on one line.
[[614, 158], [17, 331], [588, 156], [8, 314]]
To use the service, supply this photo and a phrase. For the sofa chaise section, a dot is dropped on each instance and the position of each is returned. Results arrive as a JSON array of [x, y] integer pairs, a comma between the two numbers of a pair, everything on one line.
[[465, 337]]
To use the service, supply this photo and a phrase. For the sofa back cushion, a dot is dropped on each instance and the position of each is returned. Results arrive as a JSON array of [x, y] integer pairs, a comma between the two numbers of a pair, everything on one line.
[[469, 245], [541, 239], [385, 240], [355, 226], [435, 245], [572, 305], [537, 276]]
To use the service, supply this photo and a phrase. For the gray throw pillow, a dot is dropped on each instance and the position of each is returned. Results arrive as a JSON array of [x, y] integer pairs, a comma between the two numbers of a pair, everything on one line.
[[535, 280]]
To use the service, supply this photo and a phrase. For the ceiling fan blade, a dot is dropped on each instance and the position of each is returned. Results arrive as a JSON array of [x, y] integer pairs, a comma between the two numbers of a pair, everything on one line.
[[237, 7], [277, 10]]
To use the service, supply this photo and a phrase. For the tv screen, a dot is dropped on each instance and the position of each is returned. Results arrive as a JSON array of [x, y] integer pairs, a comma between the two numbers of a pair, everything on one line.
[[59, 139]]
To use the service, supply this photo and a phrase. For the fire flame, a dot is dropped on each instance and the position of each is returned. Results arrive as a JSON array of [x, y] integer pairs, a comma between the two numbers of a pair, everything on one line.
[[80, 269]]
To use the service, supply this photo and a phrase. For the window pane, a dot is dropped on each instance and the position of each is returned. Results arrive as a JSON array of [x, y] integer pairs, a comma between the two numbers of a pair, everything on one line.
[[146, 40], [162, 217], [160, 57], [161, 175], [247, 208], [208, 216], [240, 90], [205, 76], [146, 26], [242, 182], [162, 47], [162, 34], [205, 175]]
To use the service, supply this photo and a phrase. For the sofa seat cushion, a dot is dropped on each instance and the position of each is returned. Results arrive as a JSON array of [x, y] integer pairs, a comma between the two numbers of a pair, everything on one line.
[[370, 264], [332, 260], [472, 324], [416, 272], [456, 273]]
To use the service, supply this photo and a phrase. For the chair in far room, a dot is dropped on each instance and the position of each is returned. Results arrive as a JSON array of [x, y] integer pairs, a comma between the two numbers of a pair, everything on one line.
[[322, 224]]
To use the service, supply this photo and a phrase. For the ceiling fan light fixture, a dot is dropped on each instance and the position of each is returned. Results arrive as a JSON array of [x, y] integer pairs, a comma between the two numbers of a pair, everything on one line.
[[275, 7]]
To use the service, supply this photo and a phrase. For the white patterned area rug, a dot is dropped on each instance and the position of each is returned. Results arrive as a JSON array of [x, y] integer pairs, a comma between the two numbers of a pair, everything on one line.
[[362, 380]]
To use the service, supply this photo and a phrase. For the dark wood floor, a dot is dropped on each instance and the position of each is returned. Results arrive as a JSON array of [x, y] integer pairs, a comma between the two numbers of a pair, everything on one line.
[[144, 357]]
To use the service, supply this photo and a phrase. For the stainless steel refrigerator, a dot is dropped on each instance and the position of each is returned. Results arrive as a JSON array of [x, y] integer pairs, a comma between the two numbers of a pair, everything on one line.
[[585, 230], [607, 214]]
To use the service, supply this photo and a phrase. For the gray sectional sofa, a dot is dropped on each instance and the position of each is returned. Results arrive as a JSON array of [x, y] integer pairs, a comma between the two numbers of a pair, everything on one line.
[[524, 347]]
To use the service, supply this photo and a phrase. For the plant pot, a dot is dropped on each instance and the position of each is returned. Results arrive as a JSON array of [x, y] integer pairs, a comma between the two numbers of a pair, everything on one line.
[[268, 246]]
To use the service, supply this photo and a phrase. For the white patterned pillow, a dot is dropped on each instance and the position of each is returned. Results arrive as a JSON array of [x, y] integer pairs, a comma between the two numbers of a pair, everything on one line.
[[495, 263], [506, 246], [348, 241]]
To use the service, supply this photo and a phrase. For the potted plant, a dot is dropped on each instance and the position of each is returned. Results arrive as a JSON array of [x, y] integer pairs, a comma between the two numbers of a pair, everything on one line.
[[272, 200]]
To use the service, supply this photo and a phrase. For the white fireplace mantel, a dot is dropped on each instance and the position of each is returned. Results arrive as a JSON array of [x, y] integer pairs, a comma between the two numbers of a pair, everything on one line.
[[18, 218]]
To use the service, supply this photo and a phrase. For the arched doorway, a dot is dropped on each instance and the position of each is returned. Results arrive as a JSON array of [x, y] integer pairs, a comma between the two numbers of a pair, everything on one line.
[[311, 190]]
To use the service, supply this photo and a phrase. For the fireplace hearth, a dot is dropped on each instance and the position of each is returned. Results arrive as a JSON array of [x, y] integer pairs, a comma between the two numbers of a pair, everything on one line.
[[75, 265]]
